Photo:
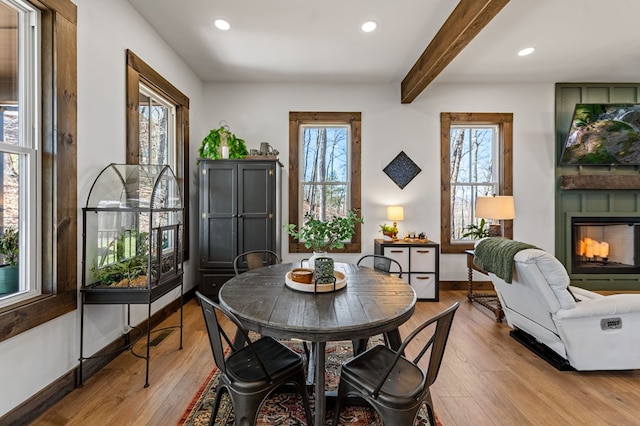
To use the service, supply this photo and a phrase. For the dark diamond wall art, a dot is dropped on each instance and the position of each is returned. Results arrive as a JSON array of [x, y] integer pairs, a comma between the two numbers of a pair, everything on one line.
[[402, 170]]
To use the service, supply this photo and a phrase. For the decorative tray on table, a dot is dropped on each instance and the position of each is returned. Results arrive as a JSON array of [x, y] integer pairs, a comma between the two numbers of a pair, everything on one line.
[[301, 279]]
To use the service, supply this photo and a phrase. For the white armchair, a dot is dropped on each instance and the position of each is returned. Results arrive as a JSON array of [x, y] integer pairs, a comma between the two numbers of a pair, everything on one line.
[[595, 333]]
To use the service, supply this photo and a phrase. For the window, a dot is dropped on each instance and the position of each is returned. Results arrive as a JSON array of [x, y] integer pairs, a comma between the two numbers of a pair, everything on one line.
[[38, 161], [324, 164], [158, 127], [476, 161]]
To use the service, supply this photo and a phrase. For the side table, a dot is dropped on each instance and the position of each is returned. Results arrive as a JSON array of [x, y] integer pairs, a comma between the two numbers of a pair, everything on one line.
[[488, 300]]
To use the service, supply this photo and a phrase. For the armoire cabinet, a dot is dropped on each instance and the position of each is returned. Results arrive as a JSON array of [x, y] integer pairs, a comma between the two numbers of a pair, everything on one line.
[[239, 211]]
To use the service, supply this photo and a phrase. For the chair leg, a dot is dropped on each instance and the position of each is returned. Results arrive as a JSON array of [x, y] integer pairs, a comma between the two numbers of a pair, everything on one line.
[[216, 404], [359, 346], [301, 382]]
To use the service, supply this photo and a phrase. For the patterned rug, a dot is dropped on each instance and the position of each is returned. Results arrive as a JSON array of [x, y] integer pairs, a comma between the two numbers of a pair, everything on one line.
[[286, 408]]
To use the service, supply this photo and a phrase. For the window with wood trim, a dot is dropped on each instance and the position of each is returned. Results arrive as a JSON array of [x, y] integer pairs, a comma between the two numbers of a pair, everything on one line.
[[324, 169], [56, 135], [476, 161], [158, 126]]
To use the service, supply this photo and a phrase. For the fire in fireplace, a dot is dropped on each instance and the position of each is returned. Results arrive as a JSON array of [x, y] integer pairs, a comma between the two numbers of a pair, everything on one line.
[[605, 245]]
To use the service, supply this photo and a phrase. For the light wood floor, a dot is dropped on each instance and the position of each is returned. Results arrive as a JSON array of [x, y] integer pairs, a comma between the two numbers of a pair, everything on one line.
[[487, 378]]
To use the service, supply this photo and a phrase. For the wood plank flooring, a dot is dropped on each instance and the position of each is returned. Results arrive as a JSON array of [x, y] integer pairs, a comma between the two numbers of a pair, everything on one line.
[[487, 378]]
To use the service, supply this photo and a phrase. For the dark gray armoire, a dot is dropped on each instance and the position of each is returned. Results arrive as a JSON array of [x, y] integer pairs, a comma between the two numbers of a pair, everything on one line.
[[239, 211]]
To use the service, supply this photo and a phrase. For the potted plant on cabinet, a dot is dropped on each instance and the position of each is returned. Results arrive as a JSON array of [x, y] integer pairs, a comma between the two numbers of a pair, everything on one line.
[[9, 272], [213, 143]]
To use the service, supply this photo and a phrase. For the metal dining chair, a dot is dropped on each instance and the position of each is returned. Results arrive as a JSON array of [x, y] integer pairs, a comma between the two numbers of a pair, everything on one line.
[[382, 263], [251, 372], [393, 385], [254, 259]]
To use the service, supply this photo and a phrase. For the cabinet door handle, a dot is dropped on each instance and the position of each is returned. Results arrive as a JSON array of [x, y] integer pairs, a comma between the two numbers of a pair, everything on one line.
[[423, 278], [396, 251], [423, 251]]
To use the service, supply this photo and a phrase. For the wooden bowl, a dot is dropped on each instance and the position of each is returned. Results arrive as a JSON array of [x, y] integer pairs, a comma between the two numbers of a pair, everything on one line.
[[302, 275]]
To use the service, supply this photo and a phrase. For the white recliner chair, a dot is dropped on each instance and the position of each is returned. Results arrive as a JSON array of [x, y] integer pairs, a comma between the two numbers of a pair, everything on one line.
[[595, 333]]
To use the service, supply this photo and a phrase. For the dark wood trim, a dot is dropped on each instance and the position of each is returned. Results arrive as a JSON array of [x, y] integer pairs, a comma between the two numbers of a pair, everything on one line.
[[448, 119], [568, 182], [355, 120], [137, 72], [465, 22], [59, 174]]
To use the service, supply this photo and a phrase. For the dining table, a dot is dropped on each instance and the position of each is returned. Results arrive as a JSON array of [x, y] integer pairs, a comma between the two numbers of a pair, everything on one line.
[[371, 302]]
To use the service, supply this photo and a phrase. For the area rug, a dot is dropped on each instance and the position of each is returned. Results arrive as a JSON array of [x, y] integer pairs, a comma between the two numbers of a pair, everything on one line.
[[286, 408]]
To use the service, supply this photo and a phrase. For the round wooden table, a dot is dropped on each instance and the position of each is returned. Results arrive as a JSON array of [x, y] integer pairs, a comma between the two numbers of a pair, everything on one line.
[[372, 302]]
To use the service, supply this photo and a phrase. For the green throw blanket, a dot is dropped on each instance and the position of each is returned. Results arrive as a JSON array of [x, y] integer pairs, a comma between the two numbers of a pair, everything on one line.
[[495, 255]]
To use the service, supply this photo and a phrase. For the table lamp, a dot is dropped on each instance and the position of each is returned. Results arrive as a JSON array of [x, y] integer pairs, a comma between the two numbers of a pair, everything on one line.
[[395, 213], [497, 207]]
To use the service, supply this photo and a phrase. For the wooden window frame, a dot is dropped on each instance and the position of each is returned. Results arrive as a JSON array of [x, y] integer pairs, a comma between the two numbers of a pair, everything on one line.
[[139, 72], [58, 174], [354, 120], [504, 121]]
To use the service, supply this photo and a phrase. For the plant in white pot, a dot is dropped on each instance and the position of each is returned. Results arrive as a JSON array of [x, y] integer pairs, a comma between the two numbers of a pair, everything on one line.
[[322, 236], [9, 272]]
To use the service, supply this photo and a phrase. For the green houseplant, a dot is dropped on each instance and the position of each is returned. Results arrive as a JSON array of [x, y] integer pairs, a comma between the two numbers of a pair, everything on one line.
[[9, 272], [211, 144], [388, 230], [476, 231], [322, 236]]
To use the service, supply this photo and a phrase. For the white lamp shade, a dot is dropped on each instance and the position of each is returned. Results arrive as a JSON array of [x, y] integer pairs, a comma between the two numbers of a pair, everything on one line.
[[496, 207], [395, 213]]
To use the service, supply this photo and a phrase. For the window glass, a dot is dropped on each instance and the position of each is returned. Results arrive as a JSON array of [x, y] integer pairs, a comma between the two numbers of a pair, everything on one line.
[[473, 163], [18, 151], [325, 171], [157, 121]]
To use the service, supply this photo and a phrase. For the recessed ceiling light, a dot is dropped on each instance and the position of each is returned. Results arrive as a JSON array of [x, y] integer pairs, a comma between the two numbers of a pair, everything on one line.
[[222, 24], [369, 26], [526, 51]]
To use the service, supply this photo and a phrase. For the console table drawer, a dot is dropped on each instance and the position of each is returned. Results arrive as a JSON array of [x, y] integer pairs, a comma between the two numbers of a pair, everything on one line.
[[423, 259]]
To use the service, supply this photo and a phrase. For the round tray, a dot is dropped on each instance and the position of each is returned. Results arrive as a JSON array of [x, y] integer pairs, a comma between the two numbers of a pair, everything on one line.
[[341, 281]]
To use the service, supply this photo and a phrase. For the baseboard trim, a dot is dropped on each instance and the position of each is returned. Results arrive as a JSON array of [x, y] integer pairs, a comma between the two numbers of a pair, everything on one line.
[[30, 409]]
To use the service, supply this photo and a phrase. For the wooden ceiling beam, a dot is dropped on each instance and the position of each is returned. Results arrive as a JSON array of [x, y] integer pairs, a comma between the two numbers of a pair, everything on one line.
[[465, 22]]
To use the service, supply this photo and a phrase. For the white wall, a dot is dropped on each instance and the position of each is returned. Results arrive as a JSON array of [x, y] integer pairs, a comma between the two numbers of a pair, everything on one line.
[[34, 359], [259, 112]]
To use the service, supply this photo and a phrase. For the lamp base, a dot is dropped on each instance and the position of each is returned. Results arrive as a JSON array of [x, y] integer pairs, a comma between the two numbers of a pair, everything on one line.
[[495, 230]]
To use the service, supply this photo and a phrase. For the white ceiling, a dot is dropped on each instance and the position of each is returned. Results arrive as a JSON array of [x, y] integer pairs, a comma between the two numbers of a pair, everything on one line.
[[321, 41]]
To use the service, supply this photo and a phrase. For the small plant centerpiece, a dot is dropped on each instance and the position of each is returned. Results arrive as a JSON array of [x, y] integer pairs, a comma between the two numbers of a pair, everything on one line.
[[221, 143], [9, 272], [322, 236], [389, 230], [476, 231]]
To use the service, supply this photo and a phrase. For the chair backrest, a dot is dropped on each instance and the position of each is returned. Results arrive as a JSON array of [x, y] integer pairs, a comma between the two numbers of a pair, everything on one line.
[[218, 338], [382, 263], [435, 344], [539, 288], [254, 259]]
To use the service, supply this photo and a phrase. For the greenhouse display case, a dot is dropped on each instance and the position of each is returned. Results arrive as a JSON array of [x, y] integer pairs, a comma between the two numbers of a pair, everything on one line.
[[132, 243], [132, 235]]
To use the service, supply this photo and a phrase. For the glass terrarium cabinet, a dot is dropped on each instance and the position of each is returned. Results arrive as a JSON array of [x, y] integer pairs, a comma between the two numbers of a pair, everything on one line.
[[132, 239]]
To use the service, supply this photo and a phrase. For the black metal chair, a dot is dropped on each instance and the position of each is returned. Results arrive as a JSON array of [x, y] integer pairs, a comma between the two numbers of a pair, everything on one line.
[[393, 385], [382, 263], [254, 259], [252, 371]]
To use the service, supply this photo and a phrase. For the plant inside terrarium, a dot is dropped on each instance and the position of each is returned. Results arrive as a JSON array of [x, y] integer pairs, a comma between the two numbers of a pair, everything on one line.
[[124, 261]]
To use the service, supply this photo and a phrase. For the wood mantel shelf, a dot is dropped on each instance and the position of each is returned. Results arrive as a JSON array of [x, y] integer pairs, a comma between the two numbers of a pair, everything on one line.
[[568, 182]]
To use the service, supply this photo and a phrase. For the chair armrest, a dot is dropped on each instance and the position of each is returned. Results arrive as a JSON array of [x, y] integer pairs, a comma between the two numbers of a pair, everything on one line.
[[614, 305]]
